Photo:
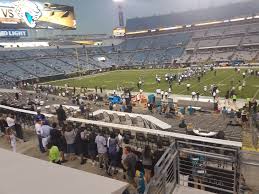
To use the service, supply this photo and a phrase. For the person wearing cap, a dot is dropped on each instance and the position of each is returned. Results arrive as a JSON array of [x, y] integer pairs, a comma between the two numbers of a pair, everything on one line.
[[39, 116]]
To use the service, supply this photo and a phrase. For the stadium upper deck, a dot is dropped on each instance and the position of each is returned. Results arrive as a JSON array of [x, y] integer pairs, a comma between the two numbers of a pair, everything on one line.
[[226, 12], [229, 41]]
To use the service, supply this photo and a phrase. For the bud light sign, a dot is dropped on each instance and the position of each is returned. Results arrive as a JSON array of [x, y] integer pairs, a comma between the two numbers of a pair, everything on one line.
[[13, 33]]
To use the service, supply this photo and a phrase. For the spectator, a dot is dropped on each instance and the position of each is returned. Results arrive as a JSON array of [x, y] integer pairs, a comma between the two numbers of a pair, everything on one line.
[[183, 124], [82, 108], [45, 134], [11, 123], [39, 116], [70, 135], [83, 145], [61, 114], [147, 158], [113, 149], [3, 124], [11, 138], [92, 147], [129, 163], [38, 133], [17, 96], [56, 139], [102, 150], [10, 120], [54, 154]]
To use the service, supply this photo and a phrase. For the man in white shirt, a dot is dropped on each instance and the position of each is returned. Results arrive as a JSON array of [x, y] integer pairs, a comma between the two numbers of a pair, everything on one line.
[[193, 95], [10, 121], [244, 75], [45, 134], [102, 150], [188, 87], [38, 132]]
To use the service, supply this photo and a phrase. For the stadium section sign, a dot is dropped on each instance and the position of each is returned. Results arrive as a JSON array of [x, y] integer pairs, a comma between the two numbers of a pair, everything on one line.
[[13, 33], [24, 14]]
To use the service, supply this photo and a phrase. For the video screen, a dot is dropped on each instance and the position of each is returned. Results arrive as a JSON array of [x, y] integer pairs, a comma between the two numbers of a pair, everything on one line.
[[25, 14]]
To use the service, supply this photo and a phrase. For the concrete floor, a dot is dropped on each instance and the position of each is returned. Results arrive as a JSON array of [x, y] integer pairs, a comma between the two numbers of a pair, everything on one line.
[[187, 190]]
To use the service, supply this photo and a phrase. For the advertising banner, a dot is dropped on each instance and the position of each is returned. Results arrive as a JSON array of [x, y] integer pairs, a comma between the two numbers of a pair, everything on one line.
[[26, 14], [13, 33]]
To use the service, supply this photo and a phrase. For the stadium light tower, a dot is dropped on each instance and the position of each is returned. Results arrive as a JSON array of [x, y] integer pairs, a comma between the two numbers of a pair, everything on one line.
[[121, 15]]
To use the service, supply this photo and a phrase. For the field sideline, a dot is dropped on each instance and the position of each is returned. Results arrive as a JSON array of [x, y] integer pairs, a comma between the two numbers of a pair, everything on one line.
[[129, 78]]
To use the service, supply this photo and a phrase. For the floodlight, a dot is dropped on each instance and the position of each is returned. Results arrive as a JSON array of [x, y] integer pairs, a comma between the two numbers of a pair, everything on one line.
[[118, 1]]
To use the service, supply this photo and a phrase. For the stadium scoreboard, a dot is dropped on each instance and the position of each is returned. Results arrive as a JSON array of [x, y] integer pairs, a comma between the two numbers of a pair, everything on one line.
[[26, 14], [119, 32]]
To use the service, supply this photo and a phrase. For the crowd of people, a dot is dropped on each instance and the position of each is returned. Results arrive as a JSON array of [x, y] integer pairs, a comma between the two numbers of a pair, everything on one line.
[[110, 152], [64, 141]]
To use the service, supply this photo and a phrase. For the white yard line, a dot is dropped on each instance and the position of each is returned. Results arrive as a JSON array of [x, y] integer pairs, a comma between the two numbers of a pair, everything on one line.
[[257, 92]]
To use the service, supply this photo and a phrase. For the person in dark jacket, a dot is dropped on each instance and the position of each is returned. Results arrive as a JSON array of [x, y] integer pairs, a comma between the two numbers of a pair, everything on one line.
[[81, 142], [3, 124], [61, 114], [92, 147], [56, 139], [113, 149]]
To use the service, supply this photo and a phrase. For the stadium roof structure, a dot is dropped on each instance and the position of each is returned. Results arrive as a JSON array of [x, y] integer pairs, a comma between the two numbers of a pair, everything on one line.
[[21, 174], [230, 11]]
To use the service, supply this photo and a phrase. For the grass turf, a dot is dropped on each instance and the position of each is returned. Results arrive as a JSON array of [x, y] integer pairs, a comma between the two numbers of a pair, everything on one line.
[[130, 78]]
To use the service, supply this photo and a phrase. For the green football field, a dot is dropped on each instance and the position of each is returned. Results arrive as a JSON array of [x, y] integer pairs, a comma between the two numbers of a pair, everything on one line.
[[129, 78]]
